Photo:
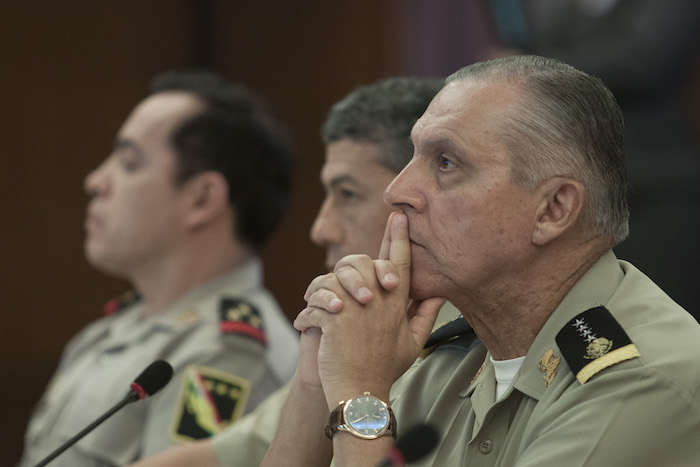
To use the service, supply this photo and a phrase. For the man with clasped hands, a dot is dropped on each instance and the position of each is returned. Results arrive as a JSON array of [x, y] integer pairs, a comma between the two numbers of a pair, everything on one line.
[[510, 207]]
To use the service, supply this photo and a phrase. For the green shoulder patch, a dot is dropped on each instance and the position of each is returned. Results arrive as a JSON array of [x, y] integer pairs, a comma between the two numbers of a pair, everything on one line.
[[209, 401], [593, 341]]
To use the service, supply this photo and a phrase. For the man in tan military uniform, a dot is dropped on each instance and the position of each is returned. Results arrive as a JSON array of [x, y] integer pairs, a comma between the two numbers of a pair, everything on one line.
[[510, 207], [359, 166], [547, 416], [180, 209]]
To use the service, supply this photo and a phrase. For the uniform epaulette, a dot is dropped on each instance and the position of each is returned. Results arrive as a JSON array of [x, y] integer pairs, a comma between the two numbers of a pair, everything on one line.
[[121, 302], [241, 317], [593, 341], [458, 332]]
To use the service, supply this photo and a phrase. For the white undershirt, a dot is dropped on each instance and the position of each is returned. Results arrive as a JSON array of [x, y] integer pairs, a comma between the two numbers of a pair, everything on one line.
[[505, 371]]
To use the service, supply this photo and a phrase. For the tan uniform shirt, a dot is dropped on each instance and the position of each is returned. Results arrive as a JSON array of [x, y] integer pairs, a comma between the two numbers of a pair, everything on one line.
[[228, 342], [631, 411], [245, 443]]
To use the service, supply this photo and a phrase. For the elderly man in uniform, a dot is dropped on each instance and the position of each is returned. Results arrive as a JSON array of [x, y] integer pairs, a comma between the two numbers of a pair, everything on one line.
[[367, 143], [199, 177], [515, 195]]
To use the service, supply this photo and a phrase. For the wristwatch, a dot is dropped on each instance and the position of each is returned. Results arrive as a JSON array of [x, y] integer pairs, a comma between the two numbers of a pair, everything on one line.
[[364, 416]]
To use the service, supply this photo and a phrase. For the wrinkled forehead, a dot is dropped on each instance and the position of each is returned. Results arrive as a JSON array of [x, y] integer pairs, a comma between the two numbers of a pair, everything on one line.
[[468, 104]]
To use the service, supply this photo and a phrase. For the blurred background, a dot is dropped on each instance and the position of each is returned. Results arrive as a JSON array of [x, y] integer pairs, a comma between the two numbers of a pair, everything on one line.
[[72, 71]]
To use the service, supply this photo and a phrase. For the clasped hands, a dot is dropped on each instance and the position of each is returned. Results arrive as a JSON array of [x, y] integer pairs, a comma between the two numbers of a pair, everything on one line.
[[360, 330]]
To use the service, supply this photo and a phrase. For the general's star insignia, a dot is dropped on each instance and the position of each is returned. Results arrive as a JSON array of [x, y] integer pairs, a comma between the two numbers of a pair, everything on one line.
[[594, 341]]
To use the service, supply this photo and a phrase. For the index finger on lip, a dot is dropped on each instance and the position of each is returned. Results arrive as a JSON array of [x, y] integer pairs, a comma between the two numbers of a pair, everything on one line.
[[400, 246], [386, 240]]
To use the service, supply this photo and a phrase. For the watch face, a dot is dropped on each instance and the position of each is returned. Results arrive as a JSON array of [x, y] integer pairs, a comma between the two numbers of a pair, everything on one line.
[[367, 416]]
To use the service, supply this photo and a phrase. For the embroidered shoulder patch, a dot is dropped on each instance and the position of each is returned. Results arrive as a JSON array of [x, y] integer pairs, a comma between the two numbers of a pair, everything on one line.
[[240, 317], [209, 401], [119, 303], [593, 341]]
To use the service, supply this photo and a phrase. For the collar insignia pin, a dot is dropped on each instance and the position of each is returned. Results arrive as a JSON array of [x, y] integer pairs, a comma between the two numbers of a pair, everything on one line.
[[548, 364]]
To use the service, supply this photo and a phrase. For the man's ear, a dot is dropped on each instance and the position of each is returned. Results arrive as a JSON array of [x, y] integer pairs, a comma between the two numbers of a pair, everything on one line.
[[207, 198], [558, 210]]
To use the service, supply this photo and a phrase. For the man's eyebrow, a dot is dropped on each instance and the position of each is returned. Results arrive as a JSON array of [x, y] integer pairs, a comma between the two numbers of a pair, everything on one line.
[[438, 142], [121, 144], [341, 179]]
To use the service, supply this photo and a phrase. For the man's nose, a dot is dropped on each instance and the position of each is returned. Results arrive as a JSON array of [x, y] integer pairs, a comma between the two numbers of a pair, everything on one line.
[[326, 230], [405, 191]]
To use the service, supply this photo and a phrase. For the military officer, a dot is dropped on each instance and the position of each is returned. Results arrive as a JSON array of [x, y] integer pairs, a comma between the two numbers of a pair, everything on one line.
[[198, 179], [510, 207]]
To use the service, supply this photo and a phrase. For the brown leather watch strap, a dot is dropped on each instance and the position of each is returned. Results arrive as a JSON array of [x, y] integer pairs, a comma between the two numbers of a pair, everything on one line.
[[335, 419]]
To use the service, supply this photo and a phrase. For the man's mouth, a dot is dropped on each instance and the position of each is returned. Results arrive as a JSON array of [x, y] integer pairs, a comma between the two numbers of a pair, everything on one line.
[[92, 221]]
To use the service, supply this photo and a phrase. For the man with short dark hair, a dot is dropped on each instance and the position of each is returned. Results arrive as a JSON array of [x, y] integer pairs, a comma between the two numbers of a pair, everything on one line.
[[199, 177]]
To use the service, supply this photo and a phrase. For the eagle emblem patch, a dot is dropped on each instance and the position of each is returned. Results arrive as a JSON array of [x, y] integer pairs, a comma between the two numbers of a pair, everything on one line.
[[593, 341], [209, 401]]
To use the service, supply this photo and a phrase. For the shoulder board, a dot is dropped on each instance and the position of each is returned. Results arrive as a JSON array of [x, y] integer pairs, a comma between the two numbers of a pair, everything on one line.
[[120, 303], [238, 316], [593, 341], [457, 332]]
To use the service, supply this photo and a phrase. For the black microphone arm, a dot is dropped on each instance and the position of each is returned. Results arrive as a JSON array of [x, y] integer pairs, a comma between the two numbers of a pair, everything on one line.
[[150, 381]]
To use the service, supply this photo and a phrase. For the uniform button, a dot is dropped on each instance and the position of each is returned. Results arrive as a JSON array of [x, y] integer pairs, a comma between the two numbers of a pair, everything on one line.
[[486, 446]]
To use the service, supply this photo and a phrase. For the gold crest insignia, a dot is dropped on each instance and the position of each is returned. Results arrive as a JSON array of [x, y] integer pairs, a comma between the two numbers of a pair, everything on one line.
[[548, 364], [478, 373]]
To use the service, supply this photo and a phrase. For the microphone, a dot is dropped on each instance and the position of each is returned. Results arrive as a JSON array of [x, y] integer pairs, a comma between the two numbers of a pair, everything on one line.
[[150, 381], [413, 445]]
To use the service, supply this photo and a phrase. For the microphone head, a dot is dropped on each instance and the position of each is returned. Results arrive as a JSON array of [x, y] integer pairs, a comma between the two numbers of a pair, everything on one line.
[[152, 379], [417, 442]]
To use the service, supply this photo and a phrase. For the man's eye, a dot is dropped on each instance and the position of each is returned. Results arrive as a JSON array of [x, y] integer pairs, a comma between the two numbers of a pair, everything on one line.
[[348, 194], [445, 164], [129, 162]]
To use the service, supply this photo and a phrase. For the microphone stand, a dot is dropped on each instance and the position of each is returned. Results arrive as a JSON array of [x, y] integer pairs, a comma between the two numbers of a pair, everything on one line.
[[131, 396]]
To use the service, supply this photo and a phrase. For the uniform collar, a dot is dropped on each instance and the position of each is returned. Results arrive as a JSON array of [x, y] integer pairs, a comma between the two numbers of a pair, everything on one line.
[[593, 289]]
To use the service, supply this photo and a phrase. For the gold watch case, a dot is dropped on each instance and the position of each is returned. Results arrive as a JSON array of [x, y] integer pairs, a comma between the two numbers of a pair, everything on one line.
[[364, 416]]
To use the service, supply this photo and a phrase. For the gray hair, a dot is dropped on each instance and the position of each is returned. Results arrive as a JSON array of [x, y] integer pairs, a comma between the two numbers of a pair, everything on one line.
[[567, 124], [382, 113]]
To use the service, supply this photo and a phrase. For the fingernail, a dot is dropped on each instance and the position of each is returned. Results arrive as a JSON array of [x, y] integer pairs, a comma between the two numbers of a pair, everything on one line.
[[364, 293], [336, 303], [391, 278]]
